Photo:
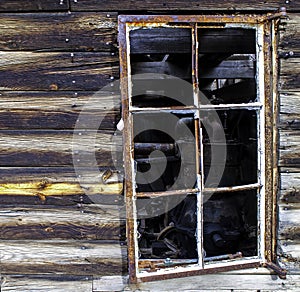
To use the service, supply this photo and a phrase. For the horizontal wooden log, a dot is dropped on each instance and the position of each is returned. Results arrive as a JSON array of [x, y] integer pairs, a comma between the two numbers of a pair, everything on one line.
[[289, 122], [231, 5], [61, 201], [246, 280], [16, 175], [289, 74], [289, 222], [290, 186], [46, 283], [56, 71], [290, 102], [56, 148], [290, 33], [22, 186], [34, 5], [58, 109], [289, 154], [60, 223], [67, 257], [59, 31]]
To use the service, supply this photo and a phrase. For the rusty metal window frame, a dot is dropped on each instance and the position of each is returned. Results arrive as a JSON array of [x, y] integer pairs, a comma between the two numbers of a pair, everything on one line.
[[266, 53]]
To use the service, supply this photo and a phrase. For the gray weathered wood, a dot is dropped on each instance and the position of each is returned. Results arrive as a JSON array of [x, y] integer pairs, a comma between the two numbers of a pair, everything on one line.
[[62, 257], [250, 280], [193, 5], [290, 33], [290, 102], [46, 283], [79, 222], [58, 31], [289, 74], [289, 154], [33, 5], [58, 109], [54, 148], [56, 71]]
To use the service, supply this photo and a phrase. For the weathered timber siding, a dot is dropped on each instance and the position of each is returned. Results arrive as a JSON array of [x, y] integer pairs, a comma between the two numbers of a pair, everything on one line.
[[289, 151], [54, 56]]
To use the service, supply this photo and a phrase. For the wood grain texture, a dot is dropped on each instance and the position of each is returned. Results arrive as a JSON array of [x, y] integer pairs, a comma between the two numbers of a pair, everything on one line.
[[289, 149], [61, 223], [58, 109], [56, 148], [192, 5], [290, 33], [62, 257], [289, 74], [248, 280], [58, 32], [46, 283], [34, 5], [56, 71], [290, 102]]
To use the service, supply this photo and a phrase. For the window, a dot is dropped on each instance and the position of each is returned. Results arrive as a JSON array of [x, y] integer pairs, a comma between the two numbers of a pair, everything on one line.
[[199, 109]]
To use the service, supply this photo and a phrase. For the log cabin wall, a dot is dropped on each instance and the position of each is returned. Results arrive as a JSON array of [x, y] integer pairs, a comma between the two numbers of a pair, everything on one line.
[[54, 55]]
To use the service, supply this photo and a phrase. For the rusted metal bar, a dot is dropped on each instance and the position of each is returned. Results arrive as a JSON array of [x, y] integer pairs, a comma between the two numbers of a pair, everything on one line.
[[194, 272], [166, 193], [278, 270], [232, 189], [160, 20], [153, 265], [161, 109], [251, 105], [223, 257]]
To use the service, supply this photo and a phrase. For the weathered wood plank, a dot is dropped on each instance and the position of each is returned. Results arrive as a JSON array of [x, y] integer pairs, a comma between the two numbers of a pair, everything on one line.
[[289, 154], [289, 122], [216, 282], [46, 283], [58, 175], [58, 109], [231, 5], [290, 33], [120, 283], [289, 227], [289, 73], [22, 186], [56, 71], [43, 189], [34, 5], [55, 148], [60, 223], [59, 31], [290, 102], [291, 248], [67, 257]]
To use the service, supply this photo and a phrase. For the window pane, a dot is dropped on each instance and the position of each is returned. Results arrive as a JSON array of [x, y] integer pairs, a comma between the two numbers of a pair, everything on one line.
[[231, 161], [161, 50], [172, 233], [164, 151], [227, 65], [230, 225]]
